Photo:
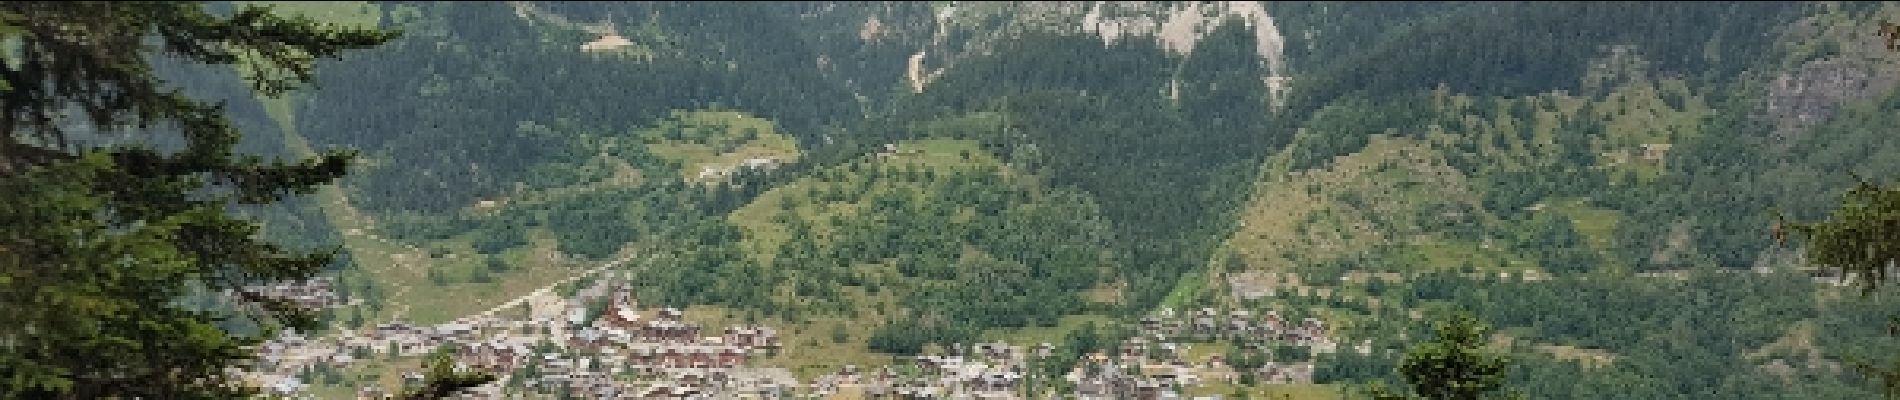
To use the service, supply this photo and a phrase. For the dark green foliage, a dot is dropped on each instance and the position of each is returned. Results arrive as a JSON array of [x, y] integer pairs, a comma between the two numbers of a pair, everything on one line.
[[498, 239], [109, 249], [1090, 338], [592, 225], [1341, 29], [1455, 365], [1670, 337], [1851, 327], [1019, 258], [1088, 118], [452, 126], [1516, 49], [495, 264], [1143, 184], [1724, 186], [1244, 359], [1858, 239], [444, 380], [1344, 126], [1555, 244], [909, 336], [1350, 366]]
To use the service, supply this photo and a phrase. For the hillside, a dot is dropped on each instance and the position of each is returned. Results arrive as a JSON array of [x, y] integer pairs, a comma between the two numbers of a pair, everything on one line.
[[881, 180], [1567, 184], [900, 244]]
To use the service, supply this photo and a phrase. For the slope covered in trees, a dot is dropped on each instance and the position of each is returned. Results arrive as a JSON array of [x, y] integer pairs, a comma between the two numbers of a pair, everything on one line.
[[1056, 174], [1625, 164]]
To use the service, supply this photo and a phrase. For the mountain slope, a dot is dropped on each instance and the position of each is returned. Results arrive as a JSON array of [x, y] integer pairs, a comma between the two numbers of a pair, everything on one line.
[[886, 178]]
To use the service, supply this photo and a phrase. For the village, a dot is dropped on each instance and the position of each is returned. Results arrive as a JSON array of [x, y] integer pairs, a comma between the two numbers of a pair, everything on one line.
[[565, 348]]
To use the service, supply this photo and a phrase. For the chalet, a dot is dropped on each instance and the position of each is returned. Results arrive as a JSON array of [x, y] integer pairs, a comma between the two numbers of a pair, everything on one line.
[[1655, 151], [712, 172], [759, 163], [993, 382], [621, 317], [1133, 348], [576, 315], [1238, 325], [1204, 323], [455, 330], [606, 42], [668, 331], [751, 337], [1148, 389]]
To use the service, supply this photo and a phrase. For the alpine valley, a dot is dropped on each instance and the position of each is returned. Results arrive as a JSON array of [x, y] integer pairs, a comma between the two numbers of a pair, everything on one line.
[[1079, 199]]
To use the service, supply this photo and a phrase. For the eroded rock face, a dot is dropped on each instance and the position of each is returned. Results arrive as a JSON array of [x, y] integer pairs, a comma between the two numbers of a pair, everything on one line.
[[968, 29], [1800, 99], [1862, 67]]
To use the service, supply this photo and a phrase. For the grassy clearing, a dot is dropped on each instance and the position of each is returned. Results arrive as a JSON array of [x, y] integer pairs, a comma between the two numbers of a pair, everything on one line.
[[764, 234], [1638, 114], [1188, 290], [711, 140], [1047, 334], [429, 303], [760, 219], [1369, 197], [942, 153], [1439, 253], [1597, 225]]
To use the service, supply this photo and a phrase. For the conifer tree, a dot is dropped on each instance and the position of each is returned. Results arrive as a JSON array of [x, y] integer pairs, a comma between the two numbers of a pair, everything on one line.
[[116, 190]]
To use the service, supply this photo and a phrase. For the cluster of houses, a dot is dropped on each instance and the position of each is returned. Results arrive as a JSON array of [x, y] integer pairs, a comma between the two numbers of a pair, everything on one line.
[[938, 376], [622, 352], [1238, 325], [598, 343], [313, 294], [1154, 364]]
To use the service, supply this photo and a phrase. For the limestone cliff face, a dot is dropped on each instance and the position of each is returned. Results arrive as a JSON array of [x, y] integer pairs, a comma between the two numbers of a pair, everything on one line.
[[934, 40], [882, 48]]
